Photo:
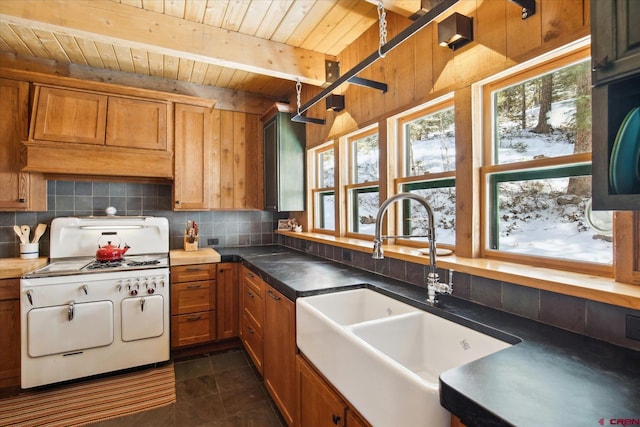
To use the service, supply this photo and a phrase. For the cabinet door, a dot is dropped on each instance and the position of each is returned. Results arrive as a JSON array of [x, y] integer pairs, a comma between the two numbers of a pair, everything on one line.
[[136, 123], [284, 152], [192, 297], [318, 405], [615, 42], [18, 190], [280, 352], [70, 116], [193, 140], [9, 333], [227, 304]]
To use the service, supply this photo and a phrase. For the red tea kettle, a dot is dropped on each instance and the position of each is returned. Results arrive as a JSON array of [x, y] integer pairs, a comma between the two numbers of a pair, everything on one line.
[[110, 252]]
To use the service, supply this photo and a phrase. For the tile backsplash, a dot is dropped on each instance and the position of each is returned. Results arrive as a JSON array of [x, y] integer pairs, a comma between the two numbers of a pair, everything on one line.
[[79, 198]]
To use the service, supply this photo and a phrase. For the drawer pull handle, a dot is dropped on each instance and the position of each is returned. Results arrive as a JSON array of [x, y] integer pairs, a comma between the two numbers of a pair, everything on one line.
[[274, 296], [335, 419], [250, 275], [193, 269], [193, 318], [250, 294], [250, 330], [193, 286]]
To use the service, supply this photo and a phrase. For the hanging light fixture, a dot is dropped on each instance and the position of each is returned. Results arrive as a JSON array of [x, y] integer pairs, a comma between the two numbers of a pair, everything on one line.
[[335, 102]]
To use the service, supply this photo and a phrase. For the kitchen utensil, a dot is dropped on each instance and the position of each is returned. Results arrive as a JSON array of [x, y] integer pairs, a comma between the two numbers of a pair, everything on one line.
[[111, 252], [18, 231], [26, 231], [625, 156], [40, 229]]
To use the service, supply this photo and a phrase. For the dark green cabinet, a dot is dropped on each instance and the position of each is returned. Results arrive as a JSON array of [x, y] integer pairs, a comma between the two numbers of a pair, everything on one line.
[[284, 157], [615, 55]]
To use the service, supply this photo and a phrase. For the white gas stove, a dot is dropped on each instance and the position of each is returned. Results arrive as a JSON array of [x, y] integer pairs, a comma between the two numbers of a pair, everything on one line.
[[81, 317]]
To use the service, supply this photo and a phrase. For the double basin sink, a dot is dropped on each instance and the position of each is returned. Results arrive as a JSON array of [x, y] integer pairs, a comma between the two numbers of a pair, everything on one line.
[[385, 356]]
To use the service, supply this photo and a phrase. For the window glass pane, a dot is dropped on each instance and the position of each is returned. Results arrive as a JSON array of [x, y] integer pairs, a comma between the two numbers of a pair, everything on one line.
[[548, 116], [430, 144], [365, 159], [441, 196], [326, 167], [365, 209], [325, 210], [545, 217]]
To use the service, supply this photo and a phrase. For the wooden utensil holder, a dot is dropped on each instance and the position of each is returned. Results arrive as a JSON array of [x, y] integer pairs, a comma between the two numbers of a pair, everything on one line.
[[188, 246]]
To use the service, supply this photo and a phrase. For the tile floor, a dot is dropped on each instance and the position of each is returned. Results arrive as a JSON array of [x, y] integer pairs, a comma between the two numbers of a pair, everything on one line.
[[221, 389]]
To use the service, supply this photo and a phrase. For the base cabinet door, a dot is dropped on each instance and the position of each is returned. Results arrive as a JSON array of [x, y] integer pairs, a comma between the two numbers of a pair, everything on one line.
[[318, 404], [9, 333], [280, 351], [227, 300]]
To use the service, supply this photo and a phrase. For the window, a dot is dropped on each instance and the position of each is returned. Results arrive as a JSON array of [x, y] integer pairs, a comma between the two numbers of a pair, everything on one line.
[[324, 189], [538, 166], [428, 153], [363, 195]]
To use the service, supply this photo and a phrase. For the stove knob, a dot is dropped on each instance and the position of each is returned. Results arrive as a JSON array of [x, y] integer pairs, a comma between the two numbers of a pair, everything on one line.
[[162, 283], [154, 284], [151, 290], [134, 293]]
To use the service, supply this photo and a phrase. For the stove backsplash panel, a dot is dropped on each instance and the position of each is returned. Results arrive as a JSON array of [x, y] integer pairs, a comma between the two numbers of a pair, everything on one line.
[[79, 198]]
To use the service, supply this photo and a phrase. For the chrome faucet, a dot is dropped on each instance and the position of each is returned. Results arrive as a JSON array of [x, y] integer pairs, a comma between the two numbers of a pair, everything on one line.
[[434, 286]]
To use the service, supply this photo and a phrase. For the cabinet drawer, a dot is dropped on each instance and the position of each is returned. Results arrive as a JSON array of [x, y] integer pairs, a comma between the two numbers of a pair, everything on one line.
[[252, 340], [192, 297], [254, 282], [194, 328], [253, 305], [193, 273]]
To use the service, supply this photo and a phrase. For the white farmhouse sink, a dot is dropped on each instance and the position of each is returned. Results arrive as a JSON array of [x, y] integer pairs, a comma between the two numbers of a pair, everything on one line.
[[385, 356]]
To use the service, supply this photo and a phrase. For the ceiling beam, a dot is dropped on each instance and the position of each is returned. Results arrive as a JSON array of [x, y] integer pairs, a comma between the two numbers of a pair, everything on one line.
[[115, 23]]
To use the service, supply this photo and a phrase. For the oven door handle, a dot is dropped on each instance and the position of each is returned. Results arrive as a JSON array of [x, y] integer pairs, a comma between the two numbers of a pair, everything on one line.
[[70, 311], [141, 304], [29, 296]]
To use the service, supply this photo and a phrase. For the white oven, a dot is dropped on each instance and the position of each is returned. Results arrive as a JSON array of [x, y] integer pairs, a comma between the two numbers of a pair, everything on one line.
[[81, 317]]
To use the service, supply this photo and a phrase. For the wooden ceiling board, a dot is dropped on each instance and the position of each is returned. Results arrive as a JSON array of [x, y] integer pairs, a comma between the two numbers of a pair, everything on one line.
[[257, 46]]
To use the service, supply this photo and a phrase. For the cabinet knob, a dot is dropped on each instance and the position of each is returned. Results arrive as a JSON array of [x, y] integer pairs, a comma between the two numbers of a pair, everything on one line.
[[177, 202], [335, 419]]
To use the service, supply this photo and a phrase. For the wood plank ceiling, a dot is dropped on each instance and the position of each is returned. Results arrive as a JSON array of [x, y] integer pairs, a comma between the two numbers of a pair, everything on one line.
[[254, 46]]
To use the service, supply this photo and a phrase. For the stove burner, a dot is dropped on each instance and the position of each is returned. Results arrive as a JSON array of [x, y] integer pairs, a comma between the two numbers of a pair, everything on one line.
[[100, 265], [139, 263]]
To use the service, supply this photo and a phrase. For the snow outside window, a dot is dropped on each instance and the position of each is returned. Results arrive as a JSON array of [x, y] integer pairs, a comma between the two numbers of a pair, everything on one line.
[[363, 194], [428, 151], [324, 189], [540, 183]]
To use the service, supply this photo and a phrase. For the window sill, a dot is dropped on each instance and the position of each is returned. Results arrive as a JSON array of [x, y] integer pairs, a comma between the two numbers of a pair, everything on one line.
[[590, 287]]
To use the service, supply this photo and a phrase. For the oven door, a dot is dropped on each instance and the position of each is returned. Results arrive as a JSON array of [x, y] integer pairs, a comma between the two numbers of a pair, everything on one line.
[[69, 328], [142, 317]]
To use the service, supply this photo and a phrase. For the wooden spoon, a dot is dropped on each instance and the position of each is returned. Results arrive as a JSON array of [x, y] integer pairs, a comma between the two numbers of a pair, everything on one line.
[[26, 230], [40, 229], [18, 231]]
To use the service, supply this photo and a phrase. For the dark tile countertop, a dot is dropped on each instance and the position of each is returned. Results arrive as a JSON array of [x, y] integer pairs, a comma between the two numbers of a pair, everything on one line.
[[550, 377]]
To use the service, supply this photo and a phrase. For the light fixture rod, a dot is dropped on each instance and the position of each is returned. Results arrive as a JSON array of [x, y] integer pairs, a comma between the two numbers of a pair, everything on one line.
[[403, 35], [368, 83]]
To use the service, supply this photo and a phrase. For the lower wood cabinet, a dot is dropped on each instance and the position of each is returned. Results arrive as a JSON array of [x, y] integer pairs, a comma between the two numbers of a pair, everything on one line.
[[227, 300], [9, 332], [193, 304], [268, 334], [280, 352], [318, 403]]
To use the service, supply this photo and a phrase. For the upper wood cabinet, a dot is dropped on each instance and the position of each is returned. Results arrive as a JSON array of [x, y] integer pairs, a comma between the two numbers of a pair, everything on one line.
[[615, 42], [193, 143], [284, 153], [615, 52], [19, 191], [69, 116], [137, 123], [98, 134]]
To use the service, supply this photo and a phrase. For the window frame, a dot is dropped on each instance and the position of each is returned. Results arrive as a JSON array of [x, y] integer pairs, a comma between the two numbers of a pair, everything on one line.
[[403, 179], [490, 168], [351, 188], [317, 209]]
